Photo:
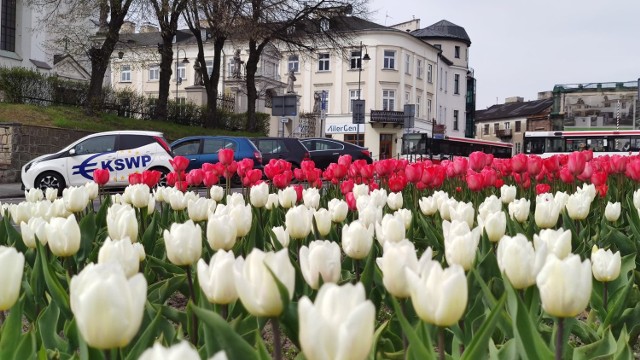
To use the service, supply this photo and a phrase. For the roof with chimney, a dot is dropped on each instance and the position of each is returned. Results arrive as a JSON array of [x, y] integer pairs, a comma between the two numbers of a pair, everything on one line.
[[443, 29], [514, 109]]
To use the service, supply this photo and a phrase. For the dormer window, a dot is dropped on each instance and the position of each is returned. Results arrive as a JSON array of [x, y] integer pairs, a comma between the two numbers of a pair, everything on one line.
[[324, 24]]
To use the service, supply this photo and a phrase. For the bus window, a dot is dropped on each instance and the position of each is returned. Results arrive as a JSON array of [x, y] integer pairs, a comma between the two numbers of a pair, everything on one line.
[[576, 144], [597, 144], [555, 145], [621, 144], [535, 146]]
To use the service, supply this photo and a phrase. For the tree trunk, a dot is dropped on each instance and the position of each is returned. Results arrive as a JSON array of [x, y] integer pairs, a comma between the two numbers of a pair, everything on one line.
[[166, 65], [212, 119], [252, 93], [99, 63]]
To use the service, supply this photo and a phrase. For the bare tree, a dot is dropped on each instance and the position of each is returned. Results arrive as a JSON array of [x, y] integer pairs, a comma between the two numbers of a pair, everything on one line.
[[215, 19], [168, 14], [301, 25]]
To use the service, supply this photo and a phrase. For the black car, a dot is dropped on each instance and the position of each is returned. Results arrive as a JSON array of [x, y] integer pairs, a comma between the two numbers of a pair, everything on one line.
[[326, 151], [289, 149]]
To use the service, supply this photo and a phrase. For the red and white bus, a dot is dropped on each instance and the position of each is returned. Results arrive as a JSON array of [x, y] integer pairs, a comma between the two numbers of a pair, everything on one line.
[[423, 146], [602, 142]]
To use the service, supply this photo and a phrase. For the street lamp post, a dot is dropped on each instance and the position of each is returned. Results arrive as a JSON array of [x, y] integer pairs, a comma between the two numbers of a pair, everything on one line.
[[184, 61], [360, 59]]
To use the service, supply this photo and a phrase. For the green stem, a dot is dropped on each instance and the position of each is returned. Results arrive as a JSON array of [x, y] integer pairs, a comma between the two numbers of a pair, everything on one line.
[[559, 337], [194, 319], [441, 350], [2, 317], [224, 310], [277, 343], [357, 270], [405, 342], [461, 324], [605, 296]]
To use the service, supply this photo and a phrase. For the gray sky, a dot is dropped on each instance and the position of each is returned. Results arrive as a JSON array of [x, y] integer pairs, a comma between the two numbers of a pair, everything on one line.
[[519, 48]]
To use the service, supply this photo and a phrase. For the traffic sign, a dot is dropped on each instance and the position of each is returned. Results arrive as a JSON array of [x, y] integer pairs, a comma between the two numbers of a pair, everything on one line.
[[358, 111]]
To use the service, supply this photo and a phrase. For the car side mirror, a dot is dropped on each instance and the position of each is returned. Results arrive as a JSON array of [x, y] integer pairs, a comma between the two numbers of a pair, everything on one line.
[[72, 151]]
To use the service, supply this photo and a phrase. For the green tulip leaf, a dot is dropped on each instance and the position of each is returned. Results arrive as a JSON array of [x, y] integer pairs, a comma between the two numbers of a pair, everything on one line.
[[11, 330], [14, 238], [604, 348], [160, 291], [144, 340], [376, 339], [88, 232], [504, 322], [220, 336], [528, 340], [623, 350], [164, 269], [47, 323], [150, 235], [289, 316], [418, 349], [507, 351], [477, 348], [369, 269], [101, 215], [56, 290]]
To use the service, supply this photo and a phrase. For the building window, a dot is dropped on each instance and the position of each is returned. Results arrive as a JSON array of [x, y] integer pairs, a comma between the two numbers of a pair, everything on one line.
[[182, 72], [485, 131], [294, 63], [496, 127], [318, 95], [455, 119], [353, 95], [457, 52], [324, 24], [418, 105], [323, 62], [419, 68], [154, 73], [456, 84], [507, 125], [518, 148], [354, 139], [446, 81], [8, 29], [389, 59], [356, 59], [388, 99], [437, 46], [407, 64], [209, 67], [430, 73], [429, 108], [518, 126], [441, 78], [407, 97], [125, 73]]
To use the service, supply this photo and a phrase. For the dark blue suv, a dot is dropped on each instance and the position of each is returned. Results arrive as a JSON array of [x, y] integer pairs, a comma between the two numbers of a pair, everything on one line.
[[204, 149]]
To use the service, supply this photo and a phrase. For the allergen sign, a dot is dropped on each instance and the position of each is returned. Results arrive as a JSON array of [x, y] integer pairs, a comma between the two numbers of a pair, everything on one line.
[[343, 128]]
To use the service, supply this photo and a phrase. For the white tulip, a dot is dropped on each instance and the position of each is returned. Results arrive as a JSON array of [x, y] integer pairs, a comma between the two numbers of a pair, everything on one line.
[[322, 218], [214, 279], [177, 200], [242, 216], [461, 248], [199, 209], [360, 189], [107, 307], [311, 198], [11, 269], [217, 193], [51, 194], [124, 253], [236, 199], [605, 265], [92, 189], [391, 229], [370, 215], [395, 201], [445, 206], [379, 197], [259, 194], [578, 206], [405, 215], [462, 212], [298, 221], [519, 210], [183, 243], [636, 199], [21, 212], [272, 201], [338, 210], [589, 190], [75, 198], [36, 227], [63, 236], [395, 259], [221, 232], [256, 285], [507, 193], [561, 199], [180, 351], [547, 211], [612, 211], [495, 224], [558, 242], [428, 205], [58, 209], [42, 209], [287, 197], [320, 260], [33, 195], [490, 205], [282, 236], [122, 222], [357, 239], [518, 260], [565, 285]]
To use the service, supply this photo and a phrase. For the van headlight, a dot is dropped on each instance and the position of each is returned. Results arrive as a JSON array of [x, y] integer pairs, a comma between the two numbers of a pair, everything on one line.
[[28, 166]]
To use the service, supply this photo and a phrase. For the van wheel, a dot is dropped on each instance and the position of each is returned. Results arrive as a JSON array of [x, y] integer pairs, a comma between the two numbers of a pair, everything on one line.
[[50, 179]]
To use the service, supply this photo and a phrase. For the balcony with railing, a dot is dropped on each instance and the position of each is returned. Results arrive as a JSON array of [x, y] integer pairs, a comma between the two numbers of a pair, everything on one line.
[[387, 117], [503, 133]]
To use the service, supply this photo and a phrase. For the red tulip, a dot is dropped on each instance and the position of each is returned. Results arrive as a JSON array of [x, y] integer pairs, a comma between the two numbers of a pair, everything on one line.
[[460, 165], [586, 173], [397, 183], [195, 177], [373, 185], [281, 181], [602, 190], [151, 177], [633, 169], [489, 175], [519, 163], [534, 165], [475, 180], [225, 156], [298, 189], [351, 201], [576, 163], [346, 186], [551, 163], [588, 155], [230, 169], [181, 185], [618, 164], [599, 178], [179, 163], [542, 188], [210, 178], [345, 160], [244, 165], [498, 184], [135, 178], [101, 176], [477, 161], [385, 167], [566, 176], [298, 174], [413, 172]]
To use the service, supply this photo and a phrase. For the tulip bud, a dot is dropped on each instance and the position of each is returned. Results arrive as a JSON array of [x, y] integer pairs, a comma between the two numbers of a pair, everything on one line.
[[357, 239], [565, 285], [75, 198], [519, 210], [124, 253], [217, 193], [605, 265], [282, 236], [558, 242], [178, 200], [298, 222], [612, 211], [561, 199], [460, 244], [519, 262], [92, 189], [11, 268], [507, 193], [272, 202], [547, 211], [462, 212], [182, 350], [221, 232], [320, 259], [338, 209], [58, 209], [256, 285], [311, 198], [323, 221], [490, 205], [445, 206], [395, 201], [236, 199], [63, 236], [214, 279], [34, 228], [395, 259], [287, 197], [122, 222], [495, 224], [370, 215], [339, 325], [183, 243], [578, 206], [259, 194], [390, 229], [33, 195], [379, 197], [405, 215], [439, 296], [20, 212], [199, 209], [51, 194], [428, 205], [100, 291], [242, 216]]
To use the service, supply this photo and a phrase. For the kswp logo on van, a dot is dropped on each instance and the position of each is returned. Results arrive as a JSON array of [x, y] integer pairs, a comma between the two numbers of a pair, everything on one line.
[[89, 164]]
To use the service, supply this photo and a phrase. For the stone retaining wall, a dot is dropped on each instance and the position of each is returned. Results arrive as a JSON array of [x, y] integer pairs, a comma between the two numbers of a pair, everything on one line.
[[20, 143]]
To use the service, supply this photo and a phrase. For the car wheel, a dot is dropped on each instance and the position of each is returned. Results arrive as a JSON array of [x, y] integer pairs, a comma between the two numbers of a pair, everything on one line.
[[163, 175], [50, 179]]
